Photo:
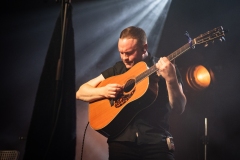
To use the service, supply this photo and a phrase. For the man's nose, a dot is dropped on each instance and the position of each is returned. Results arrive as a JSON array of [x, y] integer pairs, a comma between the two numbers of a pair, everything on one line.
[[125, 56]]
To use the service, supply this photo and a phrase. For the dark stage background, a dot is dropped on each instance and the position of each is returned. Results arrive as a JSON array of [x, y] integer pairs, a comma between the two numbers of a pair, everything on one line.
[[26, 30]]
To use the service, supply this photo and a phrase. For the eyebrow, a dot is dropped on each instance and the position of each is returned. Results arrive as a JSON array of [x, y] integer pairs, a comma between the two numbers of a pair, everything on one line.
[[130, 52]]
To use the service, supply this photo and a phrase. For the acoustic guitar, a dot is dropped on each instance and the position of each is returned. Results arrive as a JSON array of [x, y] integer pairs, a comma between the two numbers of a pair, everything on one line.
[[111, 116]]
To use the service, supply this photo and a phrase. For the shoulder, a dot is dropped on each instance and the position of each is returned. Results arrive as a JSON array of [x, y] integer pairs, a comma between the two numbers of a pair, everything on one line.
[[116, 69], [119, 65]]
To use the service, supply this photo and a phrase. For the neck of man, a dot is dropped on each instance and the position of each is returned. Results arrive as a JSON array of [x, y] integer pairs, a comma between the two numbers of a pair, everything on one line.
[[145, 57]]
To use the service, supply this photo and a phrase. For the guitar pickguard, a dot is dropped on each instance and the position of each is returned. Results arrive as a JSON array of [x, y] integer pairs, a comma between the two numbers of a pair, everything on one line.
[[123, 99]]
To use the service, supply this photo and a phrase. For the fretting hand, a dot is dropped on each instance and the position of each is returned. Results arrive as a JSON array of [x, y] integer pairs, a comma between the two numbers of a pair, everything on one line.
[[166, 69]]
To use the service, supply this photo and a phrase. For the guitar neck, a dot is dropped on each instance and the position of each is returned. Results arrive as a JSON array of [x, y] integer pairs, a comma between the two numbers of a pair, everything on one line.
[[171, 57], [180, 51]]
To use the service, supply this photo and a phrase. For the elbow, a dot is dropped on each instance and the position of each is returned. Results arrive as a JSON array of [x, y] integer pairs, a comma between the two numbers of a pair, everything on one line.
[[180, 106], [78, 96], [81, 96], [79, 93], [178, 109], [181, 109]]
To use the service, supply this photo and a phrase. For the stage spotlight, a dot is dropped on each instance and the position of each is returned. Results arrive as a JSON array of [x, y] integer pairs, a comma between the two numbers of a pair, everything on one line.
[[198, 77]]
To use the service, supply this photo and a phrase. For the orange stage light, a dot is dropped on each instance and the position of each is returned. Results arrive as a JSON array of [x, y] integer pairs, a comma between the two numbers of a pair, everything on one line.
[[198, 77]]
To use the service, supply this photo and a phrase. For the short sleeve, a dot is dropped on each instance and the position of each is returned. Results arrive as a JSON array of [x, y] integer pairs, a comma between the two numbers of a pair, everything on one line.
[[118, 68]]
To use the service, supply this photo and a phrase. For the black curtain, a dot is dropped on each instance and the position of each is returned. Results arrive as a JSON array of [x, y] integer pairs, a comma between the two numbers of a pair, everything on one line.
[[52, 131]]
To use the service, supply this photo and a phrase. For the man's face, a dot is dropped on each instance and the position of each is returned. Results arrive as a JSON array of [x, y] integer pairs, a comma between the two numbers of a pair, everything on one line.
[[130, 52]]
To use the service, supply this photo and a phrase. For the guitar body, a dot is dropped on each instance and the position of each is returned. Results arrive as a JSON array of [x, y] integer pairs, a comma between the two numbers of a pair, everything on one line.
[[111, 117]]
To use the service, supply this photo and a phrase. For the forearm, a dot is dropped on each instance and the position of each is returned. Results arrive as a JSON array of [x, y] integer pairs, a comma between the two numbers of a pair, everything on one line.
[[177, 99], [88, 93]]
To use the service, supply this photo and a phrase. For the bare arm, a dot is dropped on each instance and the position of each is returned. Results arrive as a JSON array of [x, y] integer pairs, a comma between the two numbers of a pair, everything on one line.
[[177, 99], [90, 92], [176, 96]]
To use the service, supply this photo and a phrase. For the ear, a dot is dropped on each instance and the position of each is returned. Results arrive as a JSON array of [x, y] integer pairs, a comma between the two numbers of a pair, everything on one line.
[[144, 51], [145, 48]]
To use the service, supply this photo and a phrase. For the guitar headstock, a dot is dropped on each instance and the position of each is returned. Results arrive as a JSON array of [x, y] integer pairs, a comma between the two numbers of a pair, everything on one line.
[[210, 36]]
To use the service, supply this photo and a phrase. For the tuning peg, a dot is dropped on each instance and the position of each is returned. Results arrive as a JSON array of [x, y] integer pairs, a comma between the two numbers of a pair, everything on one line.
[[226, 30], [206, 44], [222, 39]]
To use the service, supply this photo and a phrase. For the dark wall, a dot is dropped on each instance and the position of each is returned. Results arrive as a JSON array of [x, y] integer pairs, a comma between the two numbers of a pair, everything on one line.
[[26, 30]]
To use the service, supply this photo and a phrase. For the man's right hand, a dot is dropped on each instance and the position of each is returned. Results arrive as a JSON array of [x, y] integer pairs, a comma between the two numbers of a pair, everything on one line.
[[112, 90]]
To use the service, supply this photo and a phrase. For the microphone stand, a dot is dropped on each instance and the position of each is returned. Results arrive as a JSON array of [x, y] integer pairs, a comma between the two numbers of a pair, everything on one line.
[[60, 65], [205, 140], [59, 71]]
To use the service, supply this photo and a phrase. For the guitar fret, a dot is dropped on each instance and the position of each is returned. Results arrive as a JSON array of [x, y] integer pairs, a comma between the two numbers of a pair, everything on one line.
[[171, 57], [178, 52], [146, 73]]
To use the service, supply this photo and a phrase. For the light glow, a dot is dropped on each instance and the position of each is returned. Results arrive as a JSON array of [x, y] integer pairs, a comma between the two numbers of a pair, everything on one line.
[[198, 77]]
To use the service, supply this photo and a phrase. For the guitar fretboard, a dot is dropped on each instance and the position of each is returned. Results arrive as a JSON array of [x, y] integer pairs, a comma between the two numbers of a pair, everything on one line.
[[171, 57]]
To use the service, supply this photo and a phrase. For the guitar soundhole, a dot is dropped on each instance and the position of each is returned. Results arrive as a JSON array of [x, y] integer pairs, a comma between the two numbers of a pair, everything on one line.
[[129, 85]]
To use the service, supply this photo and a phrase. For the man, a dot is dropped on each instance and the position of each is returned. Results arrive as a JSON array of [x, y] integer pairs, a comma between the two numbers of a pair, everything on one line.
[[147, 134]]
